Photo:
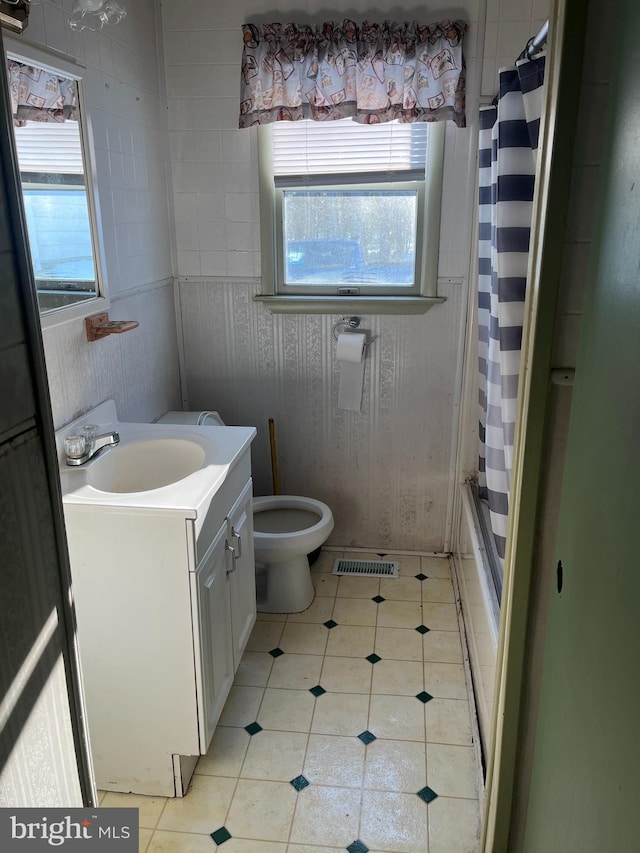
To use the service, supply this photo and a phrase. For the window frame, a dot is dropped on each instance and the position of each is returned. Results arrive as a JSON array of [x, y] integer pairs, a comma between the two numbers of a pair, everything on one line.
[[274, 291], [27, 53]]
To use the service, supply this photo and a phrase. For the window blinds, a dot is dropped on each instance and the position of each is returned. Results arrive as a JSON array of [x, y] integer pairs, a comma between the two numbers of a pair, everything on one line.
[[311, 152], [50, 148]]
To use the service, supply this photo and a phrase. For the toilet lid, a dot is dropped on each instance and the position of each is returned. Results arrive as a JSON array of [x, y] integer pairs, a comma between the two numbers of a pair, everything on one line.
[[283, 520]]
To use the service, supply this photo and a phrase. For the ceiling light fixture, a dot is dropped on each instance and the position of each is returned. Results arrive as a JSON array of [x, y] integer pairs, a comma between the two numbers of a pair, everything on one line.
[[94, 14]]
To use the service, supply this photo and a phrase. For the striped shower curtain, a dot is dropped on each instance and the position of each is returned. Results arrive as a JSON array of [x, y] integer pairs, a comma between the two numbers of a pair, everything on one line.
[[507, 164]]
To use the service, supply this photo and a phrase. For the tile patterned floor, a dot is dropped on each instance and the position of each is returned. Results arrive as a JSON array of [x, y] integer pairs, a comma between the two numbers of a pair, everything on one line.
[[347, 728]]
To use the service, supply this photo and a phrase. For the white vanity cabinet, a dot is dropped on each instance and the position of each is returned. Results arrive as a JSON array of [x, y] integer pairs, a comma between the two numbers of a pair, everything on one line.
[[224, 602], [165, 603]]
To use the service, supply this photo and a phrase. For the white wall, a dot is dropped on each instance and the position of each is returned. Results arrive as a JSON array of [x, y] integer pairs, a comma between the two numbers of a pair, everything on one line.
[[127, 109], [386, 470], [281, 369]]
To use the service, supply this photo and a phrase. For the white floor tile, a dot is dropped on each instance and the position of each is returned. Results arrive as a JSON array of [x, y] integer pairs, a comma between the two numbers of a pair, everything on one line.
[[438, 590], [440, 617], [452, 770], [435, 567], [326, 815], [254, 669], [448, 721], [179, 842], [286, 710], [351, 641], [296, 672], [320, 610], [398, 644], [325, 584], [398, 677], [399, 614], [261, 810], [275, 756], [226, 752], [341, 714], [393, 765], [445, 680], [144, 837], [265, 636], [394, 822], [401, 589], [304, 638], [204, 808], [442, 646], [397, 718], [334, 760], [355, 611], [150, 808], [355, 791], [454, 826], [241, 706], [358, 587], [346, 675]]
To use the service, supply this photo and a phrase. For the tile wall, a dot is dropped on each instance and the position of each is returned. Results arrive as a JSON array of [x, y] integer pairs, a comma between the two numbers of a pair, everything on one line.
[[127, 110]]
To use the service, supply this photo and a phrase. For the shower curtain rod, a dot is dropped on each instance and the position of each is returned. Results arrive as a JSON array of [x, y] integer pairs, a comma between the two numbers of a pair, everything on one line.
[[536, 43]]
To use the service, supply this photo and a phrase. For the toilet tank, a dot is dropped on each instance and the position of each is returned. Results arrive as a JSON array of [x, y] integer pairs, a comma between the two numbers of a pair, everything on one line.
[[197, 418]]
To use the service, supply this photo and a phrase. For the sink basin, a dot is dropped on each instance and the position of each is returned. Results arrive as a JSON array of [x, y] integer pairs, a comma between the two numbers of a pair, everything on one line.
[[158, 469], [141, 466]]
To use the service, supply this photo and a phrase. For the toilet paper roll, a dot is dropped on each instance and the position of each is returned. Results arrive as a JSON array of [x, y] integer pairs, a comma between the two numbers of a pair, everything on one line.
[[350, 347], [350, 354]]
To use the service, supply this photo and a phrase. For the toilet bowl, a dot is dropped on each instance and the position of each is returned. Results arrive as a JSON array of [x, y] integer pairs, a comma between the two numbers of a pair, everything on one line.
[[286, 529]]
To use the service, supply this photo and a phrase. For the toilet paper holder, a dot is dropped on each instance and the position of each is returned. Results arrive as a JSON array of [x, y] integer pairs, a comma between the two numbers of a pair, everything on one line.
[[352, 323]]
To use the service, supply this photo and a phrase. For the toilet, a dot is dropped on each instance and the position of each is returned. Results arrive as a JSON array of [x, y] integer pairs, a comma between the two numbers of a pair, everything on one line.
[[287, 528]]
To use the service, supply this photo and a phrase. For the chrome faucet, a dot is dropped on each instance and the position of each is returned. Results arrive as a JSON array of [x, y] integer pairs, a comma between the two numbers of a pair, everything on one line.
[[81, 448]]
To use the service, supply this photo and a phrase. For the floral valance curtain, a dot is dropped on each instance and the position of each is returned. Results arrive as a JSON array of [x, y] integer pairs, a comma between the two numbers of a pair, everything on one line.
[[370, 72], [39, 95]]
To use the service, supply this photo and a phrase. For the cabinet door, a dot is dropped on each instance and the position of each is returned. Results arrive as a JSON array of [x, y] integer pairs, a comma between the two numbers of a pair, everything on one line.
[[212, 632], [241, 570]]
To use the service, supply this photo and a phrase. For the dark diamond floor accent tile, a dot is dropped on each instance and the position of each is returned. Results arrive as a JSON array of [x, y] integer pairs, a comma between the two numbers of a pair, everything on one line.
[[253, 728], [300, 783], [275, 653], [358, 847], [373, 658], [424, 697], [422, 629], [427, 794], [422, 577], [330, 624], [367, 737], [378, 599], [317, 690], [221, 835]]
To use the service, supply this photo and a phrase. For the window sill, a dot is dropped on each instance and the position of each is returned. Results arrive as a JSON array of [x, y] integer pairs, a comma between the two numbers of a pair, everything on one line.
[[356, 304]]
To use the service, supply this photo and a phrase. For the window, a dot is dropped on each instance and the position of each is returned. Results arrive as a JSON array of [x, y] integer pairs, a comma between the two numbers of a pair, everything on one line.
[[350, 214], [51, 147]]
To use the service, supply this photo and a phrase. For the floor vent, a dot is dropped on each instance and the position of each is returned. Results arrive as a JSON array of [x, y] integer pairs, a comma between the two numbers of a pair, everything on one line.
[[369, 568]]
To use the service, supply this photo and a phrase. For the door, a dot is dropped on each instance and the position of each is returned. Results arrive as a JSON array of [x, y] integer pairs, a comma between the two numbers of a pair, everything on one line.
[[242, 571], [585, 773], [212, 625], [44, 757]]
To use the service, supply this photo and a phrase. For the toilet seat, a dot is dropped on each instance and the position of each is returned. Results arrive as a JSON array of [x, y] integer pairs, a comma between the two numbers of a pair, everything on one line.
[[313, 515]]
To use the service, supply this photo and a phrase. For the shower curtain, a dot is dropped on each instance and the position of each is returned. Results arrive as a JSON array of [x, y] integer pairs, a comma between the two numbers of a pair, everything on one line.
[[507, 163]]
